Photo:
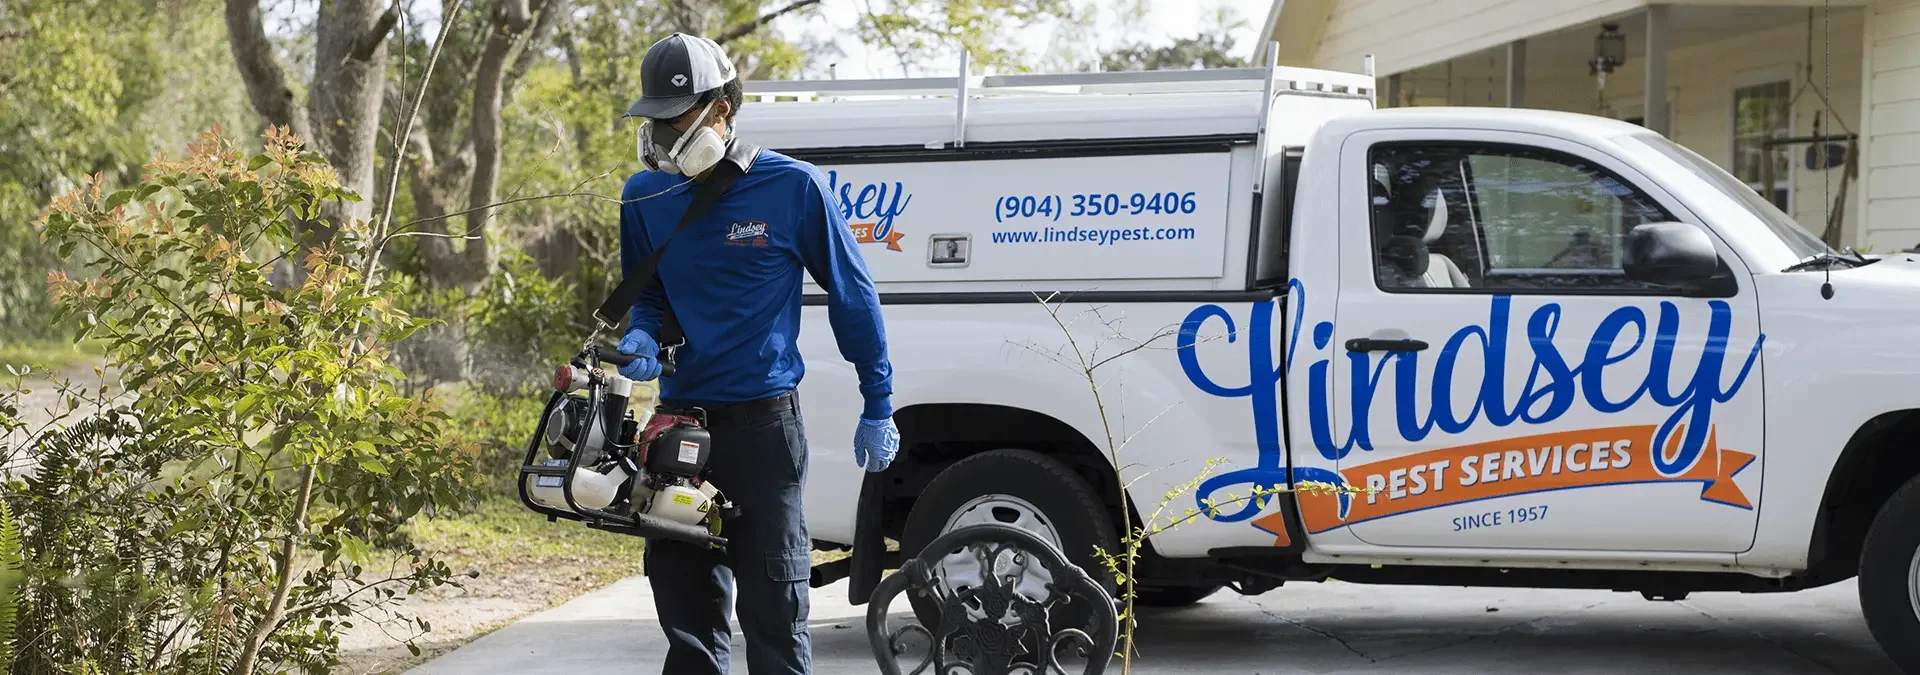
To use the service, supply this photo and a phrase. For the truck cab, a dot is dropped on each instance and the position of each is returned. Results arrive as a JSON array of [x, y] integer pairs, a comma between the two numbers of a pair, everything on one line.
[[1300, 338]]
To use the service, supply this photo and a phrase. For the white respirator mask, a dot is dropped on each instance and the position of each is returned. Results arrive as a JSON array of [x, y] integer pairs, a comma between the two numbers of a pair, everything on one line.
[[691, 154]]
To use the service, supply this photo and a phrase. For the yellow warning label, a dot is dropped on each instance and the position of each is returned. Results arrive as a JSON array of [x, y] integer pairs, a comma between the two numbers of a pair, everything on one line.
[[683, 500]]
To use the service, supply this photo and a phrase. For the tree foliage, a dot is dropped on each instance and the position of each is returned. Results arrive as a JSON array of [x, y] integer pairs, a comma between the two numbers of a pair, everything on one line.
[[1199, 51], [1211, 47], [921, 32], [170, 533], [89, 87]]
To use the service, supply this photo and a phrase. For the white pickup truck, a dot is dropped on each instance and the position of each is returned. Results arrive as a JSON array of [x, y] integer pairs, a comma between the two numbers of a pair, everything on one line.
[[1551, 350]]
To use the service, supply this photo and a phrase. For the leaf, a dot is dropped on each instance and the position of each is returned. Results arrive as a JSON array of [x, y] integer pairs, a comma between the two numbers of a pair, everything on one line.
[[257, 162], [117, 199], [372, 465], [247, 404]]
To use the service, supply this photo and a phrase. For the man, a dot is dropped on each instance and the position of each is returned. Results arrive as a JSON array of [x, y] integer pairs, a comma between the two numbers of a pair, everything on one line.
[[733, 279]]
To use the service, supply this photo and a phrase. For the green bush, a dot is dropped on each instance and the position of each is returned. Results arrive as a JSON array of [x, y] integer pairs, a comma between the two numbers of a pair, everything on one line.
[[223, 519]]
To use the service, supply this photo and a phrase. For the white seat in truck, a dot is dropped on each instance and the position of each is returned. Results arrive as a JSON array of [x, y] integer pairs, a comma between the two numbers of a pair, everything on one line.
[[1441, 270]]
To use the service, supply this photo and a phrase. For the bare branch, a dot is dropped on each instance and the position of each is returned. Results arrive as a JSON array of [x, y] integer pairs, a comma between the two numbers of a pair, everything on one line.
[[1130, 350], [266, 83], [749, 27], [386, 211], [364, 47], [1143, 427], [594, 195]]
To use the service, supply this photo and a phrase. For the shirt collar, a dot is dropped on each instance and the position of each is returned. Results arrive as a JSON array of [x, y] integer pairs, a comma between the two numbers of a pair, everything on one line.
[[742, 154]]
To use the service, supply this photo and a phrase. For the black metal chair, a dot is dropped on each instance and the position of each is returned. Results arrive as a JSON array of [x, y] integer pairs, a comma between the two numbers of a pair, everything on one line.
[[1004, 625]]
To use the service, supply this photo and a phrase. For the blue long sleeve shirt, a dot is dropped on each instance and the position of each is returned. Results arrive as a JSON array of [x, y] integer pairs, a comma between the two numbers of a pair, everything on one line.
[[733, 278]]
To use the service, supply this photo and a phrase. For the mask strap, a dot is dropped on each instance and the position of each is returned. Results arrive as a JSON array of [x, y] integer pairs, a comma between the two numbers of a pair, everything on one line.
[[680, 144]]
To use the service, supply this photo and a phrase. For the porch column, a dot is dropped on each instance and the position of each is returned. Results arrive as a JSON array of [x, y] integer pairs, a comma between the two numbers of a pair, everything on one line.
[[1656, 97], [1517, 74]]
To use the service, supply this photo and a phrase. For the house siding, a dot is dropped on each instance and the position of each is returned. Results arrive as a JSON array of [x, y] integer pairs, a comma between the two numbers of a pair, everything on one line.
[[1700, 83], [1406, 34], [1891, 167]]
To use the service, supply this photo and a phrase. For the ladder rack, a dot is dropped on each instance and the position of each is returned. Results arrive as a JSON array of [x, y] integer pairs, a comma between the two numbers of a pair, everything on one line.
[[1269, 82], [1134, 82]]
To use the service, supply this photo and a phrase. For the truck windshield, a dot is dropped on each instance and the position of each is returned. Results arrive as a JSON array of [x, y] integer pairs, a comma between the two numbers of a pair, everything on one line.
[[1783, 226]]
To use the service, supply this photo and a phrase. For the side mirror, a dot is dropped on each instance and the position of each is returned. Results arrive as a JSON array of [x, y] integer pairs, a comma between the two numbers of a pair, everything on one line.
[[1670, 253]]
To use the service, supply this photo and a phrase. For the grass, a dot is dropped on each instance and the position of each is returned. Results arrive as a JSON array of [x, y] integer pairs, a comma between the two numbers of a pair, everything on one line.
[[47, 356], [502, 535]]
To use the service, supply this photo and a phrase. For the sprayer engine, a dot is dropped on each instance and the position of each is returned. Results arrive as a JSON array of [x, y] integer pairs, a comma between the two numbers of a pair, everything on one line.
[[599, 464]]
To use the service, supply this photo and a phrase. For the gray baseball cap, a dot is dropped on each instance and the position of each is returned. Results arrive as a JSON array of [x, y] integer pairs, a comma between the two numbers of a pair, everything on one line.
[[676, 71]]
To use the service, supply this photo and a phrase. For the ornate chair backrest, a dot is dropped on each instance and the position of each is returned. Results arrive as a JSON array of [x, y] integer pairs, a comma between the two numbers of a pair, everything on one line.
[[1000, 600]]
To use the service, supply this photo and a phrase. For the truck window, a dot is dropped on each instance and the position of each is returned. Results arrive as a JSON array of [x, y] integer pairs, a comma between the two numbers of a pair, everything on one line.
[[1476, 217], [1273, 226]]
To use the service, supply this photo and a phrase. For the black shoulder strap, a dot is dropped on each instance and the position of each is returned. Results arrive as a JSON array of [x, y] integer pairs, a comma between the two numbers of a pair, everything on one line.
[[621, 300]]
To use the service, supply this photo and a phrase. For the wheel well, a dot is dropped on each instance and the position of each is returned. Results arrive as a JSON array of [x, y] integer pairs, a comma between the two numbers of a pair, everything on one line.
[[935, 435], [1878, 460]]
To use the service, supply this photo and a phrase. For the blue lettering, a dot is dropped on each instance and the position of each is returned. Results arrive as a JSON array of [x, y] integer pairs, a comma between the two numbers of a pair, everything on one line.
[[1560, 385], [1262, 390], [1553, 385], [1599, 356], [872, 203]]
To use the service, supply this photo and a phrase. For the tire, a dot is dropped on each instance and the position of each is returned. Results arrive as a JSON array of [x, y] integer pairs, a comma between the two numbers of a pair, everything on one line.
[[1172, 596], [1064, 501], [1889, 588]]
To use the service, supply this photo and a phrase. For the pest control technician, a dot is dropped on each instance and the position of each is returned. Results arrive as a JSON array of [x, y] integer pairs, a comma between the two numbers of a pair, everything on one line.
[[733, 280]]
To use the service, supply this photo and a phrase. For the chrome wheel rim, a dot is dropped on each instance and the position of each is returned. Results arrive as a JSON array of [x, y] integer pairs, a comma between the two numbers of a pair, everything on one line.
[[1913, 583], [961, 570]]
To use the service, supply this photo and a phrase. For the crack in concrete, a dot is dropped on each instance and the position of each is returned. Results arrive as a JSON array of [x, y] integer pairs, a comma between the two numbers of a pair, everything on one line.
[[1303, 626], [1763, 638]]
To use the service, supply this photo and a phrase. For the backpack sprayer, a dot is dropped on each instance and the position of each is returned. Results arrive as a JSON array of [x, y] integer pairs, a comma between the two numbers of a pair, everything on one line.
[[601, 468]]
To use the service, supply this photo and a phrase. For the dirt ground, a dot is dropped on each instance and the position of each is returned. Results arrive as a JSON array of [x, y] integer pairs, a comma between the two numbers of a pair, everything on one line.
[[460, 615]]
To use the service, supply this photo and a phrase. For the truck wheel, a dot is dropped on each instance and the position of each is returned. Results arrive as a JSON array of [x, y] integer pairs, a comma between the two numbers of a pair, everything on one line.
[[1890, 577], [1173, 596], [1019, 488]]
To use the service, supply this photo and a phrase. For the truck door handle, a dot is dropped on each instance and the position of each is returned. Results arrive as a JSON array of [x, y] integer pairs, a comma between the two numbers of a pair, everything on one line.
[[1379, 345]]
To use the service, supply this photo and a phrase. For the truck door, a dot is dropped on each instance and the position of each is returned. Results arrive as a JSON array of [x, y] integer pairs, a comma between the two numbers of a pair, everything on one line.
[[1504, 383]]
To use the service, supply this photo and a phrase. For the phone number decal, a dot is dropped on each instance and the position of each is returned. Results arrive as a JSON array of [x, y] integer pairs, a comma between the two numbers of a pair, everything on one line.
[[1089, 205]]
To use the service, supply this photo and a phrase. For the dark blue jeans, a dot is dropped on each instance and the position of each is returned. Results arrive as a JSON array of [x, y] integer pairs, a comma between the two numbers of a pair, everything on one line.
[[760, 462]]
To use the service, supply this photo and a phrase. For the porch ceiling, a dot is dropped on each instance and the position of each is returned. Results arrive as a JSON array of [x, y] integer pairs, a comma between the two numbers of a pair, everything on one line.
[[1566, 51]]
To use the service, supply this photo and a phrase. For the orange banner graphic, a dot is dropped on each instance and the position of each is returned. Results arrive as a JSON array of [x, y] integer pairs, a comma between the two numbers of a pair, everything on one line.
[[863, 233], [1557, 461]]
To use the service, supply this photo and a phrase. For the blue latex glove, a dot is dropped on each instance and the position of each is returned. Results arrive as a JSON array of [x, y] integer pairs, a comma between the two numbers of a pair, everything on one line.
[[874, 443], [646, 364]]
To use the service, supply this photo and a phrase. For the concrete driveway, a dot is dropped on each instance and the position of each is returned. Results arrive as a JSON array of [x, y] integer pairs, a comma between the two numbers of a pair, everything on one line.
[[1330, 628]]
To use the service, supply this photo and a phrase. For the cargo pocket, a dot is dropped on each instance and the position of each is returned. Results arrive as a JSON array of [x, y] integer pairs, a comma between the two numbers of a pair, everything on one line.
[[790, 570]]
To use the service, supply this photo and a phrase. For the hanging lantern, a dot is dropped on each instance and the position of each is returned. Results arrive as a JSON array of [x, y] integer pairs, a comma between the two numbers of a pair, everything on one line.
[[1609, 52]]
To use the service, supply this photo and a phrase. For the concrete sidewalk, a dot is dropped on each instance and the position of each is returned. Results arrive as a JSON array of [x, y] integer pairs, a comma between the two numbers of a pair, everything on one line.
[[1330, 628]]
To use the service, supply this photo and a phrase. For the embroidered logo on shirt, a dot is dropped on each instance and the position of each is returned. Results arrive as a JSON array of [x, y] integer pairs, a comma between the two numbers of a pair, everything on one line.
[[747, 233]]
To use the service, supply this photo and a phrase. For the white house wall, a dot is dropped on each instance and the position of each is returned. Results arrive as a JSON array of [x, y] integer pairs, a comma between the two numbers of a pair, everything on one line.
[[1891, 170], [1700, 81], [1405, 34]]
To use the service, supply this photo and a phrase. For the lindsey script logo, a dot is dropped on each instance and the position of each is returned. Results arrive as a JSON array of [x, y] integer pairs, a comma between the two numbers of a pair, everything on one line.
[[878, 203], [1552, 387]]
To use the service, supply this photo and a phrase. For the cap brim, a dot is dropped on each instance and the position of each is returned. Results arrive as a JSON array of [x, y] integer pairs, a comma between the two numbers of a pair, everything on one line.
[[668, 107]]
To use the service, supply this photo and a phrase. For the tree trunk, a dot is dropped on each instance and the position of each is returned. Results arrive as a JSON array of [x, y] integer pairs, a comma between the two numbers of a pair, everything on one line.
[[266, 83], [349, 75], [511, 19]]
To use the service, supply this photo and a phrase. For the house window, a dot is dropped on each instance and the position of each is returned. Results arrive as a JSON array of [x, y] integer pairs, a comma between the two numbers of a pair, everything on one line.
[[1760, 112]]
